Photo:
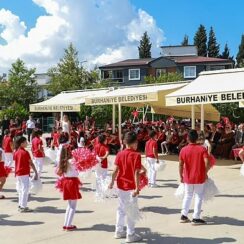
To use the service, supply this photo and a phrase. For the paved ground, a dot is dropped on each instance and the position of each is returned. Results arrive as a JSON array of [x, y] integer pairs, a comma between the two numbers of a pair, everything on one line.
[[96, 220]]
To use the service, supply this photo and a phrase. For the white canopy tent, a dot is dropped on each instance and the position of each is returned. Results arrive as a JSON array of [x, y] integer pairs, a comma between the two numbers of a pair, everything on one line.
[[210, 87], [152, 95]]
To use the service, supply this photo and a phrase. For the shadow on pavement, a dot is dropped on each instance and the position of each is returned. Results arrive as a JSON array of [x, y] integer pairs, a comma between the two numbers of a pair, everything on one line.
[[54, 210], [216, 220], [149, 197], [166, 180], [161, 210], [170, 185], [5, 222], [158, 239], [231, 196]]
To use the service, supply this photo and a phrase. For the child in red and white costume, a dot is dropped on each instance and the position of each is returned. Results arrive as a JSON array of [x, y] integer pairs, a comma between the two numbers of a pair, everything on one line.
[[70, 186], [23, 163], [3, 174], [127, 171], [8, 148], [193, 168], [102, 152], [38, 151], [151, 151]]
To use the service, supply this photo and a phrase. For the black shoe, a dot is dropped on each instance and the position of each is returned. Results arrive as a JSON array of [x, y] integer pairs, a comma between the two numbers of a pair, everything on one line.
[[198, 222], [184, 219]]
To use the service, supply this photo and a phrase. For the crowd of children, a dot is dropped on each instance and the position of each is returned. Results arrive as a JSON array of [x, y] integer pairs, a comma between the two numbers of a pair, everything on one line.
[[195, 156]]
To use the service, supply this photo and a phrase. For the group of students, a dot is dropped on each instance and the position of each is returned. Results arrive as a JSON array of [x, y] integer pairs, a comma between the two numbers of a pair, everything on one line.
[[193, 171]]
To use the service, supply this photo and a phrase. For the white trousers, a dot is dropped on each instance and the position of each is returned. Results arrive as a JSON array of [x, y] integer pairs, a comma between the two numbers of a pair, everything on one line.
[[190, 191], [164, 146], [70, 212], [124, 198], [101, 175], [39, 165], [151, 170], [8, 159], [23, 183]]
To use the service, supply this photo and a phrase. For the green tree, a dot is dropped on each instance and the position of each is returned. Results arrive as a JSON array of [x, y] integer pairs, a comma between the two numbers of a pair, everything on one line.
[[240, 54], [68, 74], [145, 46], [185, 41], [213, 46], [164, 78], [21, 87], [200, 40], [226, 53]]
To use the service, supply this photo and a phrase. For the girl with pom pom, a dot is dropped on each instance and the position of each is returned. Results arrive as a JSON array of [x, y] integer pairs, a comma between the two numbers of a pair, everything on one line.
[[69, 186], [193, 169], [127, 170], [151, 151]]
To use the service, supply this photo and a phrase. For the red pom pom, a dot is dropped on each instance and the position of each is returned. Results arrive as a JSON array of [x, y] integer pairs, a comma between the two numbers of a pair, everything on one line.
[[84, 159], [8, 170], [143, 181]]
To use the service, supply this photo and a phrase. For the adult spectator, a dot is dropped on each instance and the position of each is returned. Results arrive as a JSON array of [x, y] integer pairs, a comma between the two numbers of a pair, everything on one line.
[[239, 137], [30, 125], [66, 125], [215, 137], [4, 126], [226, 143]]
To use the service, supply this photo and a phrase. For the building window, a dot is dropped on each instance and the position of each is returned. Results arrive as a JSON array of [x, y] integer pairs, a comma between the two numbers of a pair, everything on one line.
[[190, 72], [134, 74], [160, 72]]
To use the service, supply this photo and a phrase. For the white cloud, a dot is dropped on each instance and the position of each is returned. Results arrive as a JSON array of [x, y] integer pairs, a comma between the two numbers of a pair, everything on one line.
[[103, 31]]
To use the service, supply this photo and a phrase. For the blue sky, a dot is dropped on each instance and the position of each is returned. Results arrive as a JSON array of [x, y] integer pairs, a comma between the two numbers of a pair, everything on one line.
[[49, 26], [175, 17], [180, 17]]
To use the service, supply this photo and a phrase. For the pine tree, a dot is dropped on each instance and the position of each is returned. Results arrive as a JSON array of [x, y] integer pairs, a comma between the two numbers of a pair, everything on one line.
[[200, 40], [213, 46], [68, 74], [185, 41], [145, 46], [226, 53], [240, 55]]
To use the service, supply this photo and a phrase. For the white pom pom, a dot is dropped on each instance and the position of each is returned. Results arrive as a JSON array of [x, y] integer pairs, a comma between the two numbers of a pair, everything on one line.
[[35, 186], [51, 154], [242, 170], [210, 190], [132, 210], [180, 191], [160, 166], [103, 192]]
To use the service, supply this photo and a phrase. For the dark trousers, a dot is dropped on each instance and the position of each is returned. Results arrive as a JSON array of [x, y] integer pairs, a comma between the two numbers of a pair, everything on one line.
[[29, 134]]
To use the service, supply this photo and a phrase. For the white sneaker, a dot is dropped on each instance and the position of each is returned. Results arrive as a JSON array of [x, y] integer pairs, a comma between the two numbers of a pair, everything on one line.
[[133, 238], [120, 235], [154, 186]]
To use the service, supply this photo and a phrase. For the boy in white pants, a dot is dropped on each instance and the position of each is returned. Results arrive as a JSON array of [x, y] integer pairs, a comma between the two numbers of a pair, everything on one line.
[[151, 151], [102, 152], [38, 151], [23, 163], [127, 170], [193, 168]]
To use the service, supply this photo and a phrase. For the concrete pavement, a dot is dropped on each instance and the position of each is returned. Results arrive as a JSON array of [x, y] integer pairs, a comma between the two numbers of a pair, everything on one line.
[[95, 221]]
